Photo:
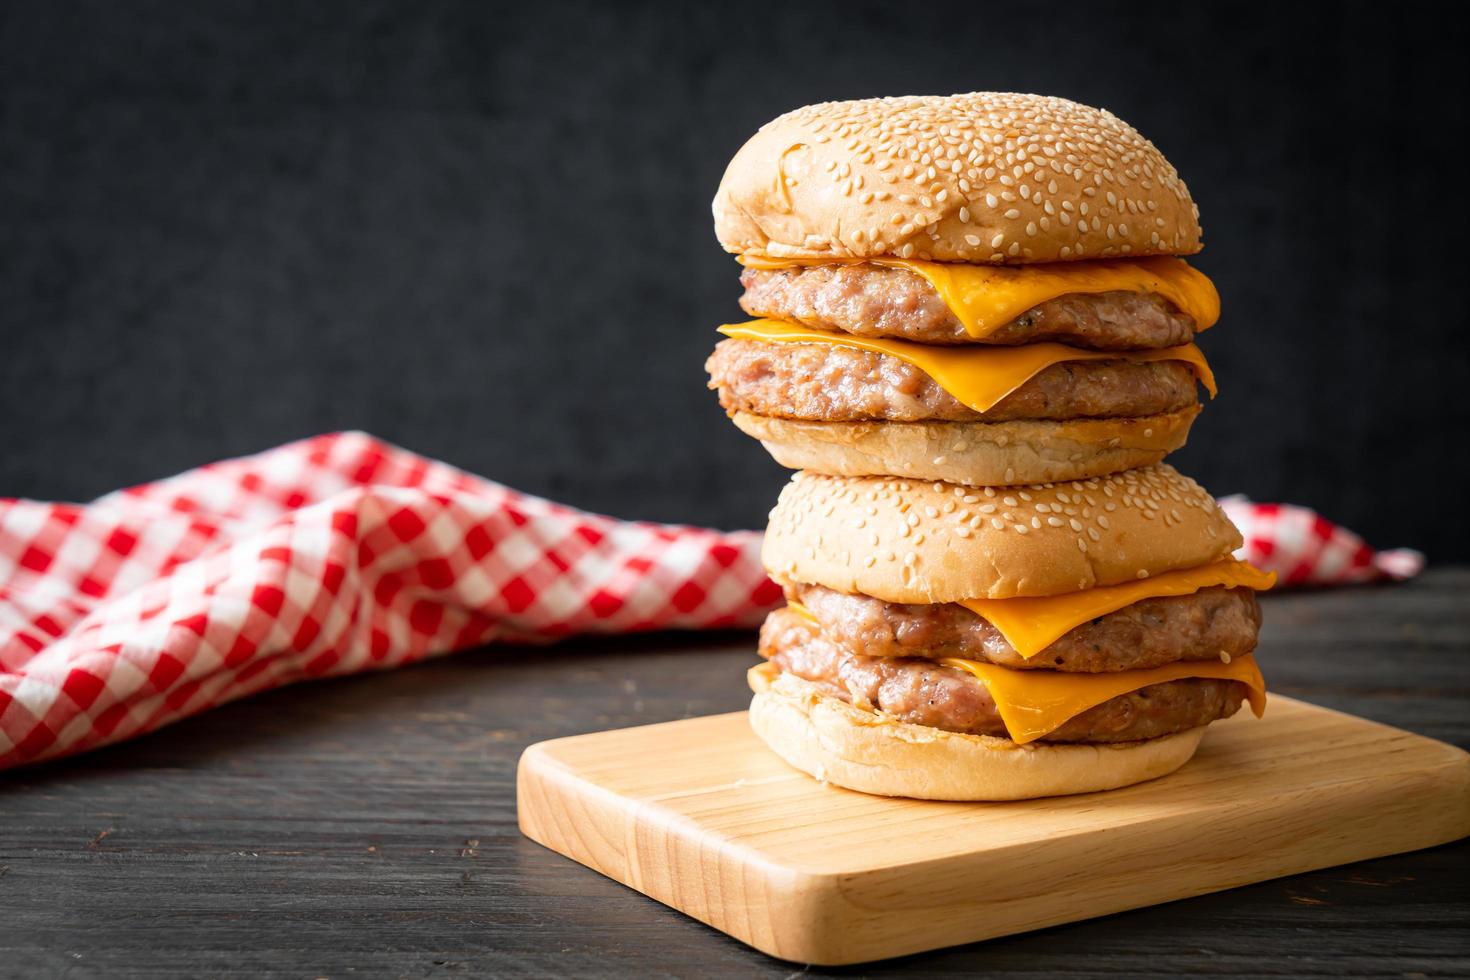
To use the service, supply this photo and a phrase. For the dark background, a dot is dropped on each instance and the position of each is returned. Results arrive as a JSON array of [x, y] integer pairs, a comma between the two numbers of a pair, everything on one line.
[[483, 231]]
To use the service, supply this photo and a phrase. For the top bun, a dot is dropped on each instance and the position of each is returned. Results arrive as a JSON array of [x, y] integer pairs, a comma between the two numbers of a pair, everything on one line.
[[902, 541], [989, 177]]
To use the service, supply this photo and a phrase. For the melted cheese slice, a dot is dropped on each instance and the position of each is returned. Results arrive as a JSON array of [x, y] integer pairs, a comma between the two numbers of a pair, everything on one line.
[[1033, 703], [985, 298], [1033, 624], [979, 377], [802, 611]]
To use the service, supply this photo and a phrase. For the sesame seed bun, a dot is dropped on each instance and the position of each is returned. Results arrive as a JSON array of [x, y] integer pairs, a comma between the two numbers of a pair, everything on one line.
[[912, 542], [973, 453], [865, 751], [986, 177]]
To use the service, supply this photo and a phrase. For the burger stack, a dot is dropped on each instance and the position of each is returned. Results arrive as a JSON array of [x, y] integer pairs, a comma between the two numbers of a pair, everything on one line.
[[974, 340]]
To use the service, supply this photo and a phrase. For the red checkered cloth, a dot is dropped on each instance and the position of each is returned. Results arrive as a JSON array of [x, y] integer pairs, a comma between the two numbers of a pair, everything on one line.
[[324, 557], [1304, 548], [342, 553]]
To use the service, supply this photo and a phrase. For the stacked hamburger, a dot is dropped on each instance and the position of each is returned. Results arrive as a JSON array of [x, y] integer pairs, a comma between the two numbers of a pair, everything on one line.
[[974, 340]]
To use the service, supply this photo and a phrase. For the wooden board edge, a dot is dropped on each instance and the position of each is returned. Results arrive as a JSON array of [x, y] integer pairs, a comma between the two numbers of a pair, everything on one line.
[[805, 916], [1443, 791], [542, 797], [643, 847]]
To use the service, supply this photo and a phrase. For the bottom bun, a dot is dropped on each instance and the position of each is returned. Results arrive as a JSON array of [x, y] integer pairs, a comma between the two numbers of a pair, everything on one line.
[[975, 453], [847, 746]]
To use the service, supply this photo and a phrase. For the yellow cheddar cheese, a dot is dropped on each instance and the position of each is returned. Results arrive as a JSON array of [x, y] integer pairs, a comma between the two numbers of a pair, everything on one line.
[[985, 298], [978, 377], [1032, 624], [1033, 703]]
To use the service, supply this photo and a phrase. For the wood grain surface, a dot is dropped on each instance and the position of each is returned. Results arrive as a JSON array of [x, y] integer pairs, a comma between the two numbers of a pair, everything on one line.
[[366, 827], [725, 832]]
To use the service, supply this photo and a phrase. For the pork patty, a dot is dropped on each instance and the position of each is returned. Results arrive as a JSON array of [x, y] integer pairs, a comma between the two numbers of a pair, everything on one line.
[[1148, 633], [880, 301], [922, 692], [827, 383]]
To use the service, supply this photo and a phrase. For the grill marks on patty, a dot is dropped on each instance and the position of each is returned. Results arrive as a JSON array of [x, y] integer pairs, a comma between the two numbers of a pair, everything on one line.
[[827, 383], [880, 301], [1149, 633], [921, 692]]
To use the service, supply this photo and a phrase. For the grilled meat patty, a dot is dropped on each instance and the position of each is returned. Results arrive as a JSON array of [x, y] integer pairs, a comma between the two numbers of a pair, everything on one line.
[[1148, 633], [826, 383], [878, 301], [922, 692]]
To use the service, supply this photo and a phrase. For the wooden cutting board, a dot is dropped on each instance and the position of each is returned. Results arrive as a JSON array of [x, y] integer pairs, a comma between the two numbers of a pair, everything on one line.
[[700, 815]]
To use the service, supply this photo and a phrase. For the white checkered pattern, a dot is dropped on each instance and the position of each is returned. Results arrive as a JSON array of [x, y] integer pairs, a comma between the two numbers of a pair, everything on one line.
[[1304, 548], [341, 553], [324, 557]]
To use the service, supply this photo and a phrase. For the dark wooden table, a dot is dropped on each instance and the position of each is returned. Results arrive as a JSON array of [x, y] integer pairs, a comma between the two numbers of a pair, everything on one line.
[[366, 827]]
